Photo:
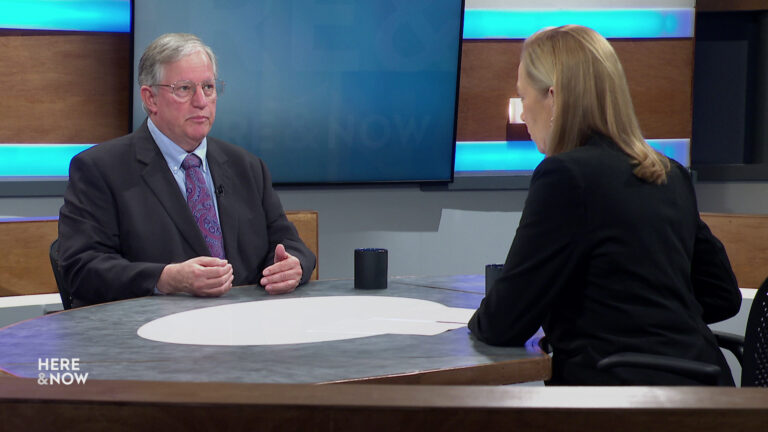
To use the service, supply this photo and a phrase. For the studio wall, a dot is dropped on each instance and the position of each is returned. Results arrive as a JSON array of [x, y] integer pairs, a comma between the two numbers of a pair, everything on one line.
[[427, 232]]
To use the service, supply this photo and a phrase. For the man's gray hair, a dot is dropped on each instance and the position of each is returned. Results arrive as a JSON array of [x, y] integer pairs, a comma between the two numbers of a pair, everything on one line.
[[169, 48]]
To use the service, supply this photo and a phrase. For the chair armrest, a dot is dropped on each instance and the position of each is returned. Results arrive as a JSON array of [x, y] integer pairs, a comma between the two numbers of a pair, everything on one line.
[[702, 372], [732, 342], [544, 345]]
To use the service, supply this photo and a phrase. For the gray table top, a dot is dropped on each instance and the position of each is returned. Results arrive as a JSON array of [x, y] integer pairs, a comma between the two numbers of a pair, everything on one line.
[[104, 339], [465, 283]]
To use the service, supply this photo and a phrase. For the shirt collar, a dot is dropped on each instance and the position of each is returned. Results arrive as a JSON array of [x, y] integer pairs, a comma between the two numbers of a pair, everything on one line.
[[173, 154]]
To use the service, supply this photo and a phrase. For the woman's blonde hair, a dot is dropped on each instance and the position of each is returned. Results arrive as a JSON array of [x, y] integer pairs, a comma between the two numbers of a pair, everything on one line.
[[591, 95]]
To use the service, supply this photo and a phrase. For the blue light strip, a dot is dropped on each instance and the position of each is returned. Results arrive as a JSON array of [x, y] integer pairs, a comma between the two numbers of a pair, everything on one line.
[[496, 156], [484, 156], [67, 15], [677, 149], [611, 23], [37, 160], [52, 160], [115, 16]]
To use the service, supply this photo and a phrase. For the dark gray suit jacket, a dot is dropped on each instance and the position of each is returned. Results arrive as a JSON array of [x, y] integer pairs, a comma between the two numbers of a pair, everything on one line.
[[606, 263], [124, 218]]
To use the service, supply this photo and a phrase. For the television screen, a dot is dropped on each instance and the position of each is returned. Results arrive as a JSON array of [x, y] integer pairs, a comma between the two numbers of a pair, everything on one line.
[[328, 91]]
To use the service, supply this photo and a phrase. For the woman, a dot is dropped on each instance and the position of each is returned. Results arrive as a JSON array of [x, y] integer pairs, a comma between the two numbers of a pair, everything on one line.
[[610, 255]]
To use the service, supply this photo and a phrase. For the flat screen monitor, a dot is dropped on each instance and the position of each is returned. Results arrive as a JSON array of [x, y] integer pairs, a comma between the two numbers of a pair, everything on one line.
[[328, 91]]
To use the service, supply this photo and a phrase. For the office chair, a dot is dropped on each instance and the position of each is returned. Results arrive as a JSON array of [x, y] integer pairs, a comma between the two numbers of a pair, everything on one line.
[[704, 373], [754, 365], [66, 297], [751, 351]]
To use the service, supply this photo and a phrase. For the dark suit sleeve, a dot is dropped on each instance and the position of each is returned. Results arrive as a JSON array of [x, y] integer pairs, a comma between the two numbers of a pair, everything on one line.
[[282, 231], [714, 284], [543, 256], [89, 242]]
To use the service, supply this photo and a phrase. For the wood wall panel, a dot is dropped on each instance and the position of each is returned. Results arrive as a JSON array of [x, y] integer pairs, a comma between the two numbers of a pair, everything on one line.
[[26, 266], [488, 80], [306, 224], [660, 76], [76, 87], [65, 88], [730, 5], [659, 72], [745, 238]]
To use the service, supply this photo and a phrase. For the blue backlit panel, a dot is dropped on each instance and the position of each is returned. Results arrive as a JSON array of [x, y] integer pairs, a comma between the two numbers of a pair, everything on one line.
[[37, 160], [66, 15], [115, 15], [479, 156], [677, 149], [611, 23], [52, 160], [496, 156]]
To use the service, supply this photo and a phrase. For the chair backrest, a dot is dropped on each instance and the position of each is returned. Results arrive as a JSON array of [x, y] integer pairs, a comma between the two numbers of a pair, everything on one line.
[[24, 268], [754, 370], [305, 222], [53, 254], [745, 237]]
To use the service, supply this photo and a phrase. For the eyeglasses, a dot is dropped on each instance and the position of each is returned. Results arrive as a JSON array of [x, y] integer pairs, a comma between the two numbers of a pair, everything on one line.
[[185, 89]]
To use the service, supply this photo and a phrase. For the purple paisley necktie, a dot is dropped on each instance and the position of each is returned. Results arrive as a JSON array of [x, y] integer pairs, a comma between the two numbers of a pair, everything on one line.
[[201, 204]]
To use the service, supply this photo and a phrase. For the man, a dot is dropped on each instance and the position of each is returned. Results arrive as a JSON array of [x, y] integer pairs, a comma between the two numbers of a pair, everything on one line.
[[167, 209]]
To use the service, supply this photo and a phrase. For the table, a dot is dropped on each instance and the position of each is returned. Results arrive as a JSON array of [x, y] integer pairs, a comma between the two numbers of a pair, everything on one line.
[[474, 284], [142, 405], [104, 339]]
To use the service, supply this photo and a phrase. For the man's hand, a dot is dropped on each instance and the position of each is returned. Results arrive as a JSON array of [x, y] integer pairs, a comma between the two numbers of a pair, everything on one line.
[[284, 275], [202, 276]]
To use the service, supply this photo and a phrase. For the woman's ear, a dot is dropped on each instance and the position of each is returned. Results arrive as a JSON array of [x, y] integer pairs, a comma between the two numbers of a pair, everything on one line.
[[551, 99]]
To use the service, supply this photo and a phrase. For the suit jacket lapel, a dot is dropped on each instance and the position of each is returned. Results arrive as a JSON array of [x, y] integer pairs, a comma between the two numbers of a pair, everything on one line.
[[161, 182], [223, 181]]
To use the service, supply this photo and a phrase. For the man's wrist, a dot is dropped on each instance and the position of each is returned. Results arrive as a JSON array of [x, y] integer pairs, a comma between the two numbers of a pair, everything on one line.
[[162, 287]]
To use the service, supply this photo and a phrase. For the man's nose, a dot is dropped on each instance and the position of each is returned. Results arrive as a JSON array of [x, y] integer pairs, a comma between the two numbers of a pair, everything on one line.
[[198, 98]]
